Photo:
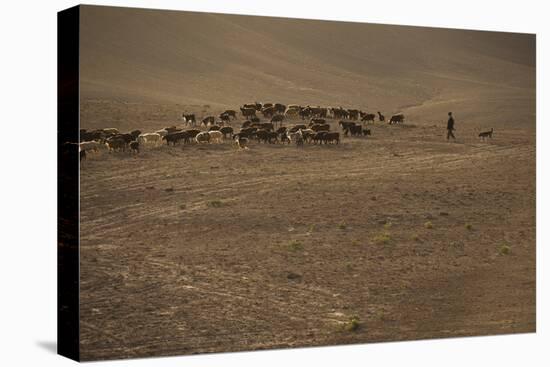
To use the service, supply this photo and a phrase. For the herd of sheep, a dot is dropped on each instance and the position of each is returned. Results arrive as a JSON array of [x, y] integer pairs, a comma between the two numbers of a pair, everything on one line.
[[313, 128]]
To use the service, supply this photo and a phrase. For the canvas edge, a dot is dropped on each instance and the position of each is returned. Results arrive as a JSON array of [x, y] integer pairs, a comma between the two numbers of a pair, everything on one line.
[[68, 166]]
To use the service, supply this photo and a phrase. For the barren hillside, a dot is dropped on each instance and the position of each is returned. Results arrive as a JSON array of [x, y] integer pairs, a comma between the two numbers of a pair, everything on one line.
[[226, 60]]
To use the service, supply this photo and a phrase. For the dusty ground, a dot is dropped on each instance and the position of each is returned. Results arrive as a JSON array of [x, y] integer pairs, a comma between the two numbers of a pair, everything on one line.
[[210, 249]]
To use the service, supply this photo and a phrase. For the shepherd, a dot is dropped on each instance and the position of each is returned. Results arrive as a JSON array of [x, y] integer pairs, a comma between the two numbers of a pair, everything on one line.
[[450, 126]]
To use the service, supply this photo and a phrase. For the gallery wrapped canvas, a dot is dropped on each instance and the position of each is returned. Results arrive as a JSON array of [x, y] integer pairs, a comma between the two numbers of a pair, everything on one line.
[[231, 183]]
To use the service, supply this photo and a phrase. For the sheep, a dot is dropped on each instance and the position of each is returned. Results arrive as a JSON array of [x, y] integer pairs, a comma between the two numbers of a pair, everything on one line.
[[172, 129], [134, 147], [353, 114], [111, 131], [295, 128], [191, 133], [296, 137], [149, 138], [189, 119], [241, 142], [255, 106], [320, 127], [346, 126], [308, 134], [162, 132], [319, 137], [226, 131], [215, 136], [225, 117], [96, 135], [135, 134], [281, 130], [248, 132], [356, 130], [202, 137], [279, 108], [268, 112], [368, 117], [248, 112], [284, 138], [277, 118], [126, 137], [396, 119], [90, 146], [267, 136], [175, 137], [315, 120], [230, 113], [292, 111], [116, 144], [208, 119], [331, 137]]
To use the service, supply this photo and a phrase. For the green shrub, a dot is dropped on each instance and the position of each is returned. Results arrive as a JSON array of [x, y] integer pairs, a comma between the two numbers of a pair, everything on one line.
[[295, 246], [505, 250], [468, 226], [383, 238], [215, 203], [353, 324]]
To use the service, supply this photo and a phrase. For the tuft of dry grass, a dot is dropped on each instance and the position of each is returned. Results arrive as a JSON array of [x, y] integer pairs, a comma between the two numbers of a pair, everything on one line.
[[428, 225]]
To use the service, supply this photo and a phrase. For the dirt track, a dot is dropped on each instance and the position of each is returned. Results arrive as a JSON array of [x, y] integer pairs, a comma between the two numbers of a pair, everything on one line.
[[209, 249]]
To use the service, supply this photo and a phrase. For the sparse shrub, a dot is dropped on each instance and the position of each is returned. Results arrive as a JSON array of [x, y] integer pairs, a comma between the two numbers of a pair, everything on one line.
[[295, 246], [387, 225], [293, 276], [311, 228], [383, 238], [215, 203], [353, 324], [468, 226], [415, 237], [342, 225], [505, 250], [428, 225]]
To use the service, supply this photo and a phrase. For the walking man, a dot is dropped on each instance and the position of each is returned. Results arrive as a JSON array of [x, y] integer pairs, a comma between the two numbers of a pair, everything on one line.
[[450, 126]]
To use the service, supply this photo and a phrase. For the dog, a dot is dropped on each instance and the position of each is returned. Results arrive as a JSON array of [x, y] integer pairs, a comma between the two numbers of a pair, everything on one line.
[[486, 134]]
